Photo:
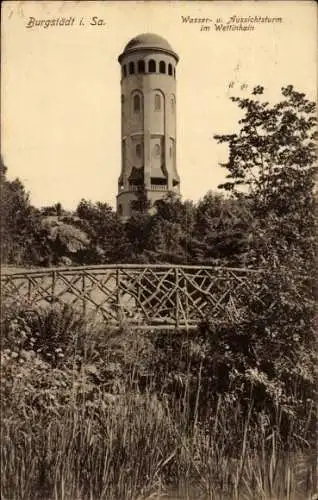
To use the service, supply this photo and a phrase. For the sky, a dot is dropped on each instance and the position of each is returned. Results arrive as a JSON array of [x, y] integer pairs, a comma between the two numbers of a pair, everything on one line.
[[60, 86]]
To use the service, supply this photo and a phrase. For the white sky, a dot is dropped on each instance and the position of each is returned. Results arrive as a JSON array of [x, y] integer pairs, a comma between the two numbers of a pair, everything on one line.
[[61, 87]]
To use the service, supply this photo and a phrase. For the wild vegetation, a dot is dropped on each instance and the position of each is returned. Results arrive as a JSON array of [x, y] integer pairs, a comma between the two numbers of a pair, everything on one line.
[[226, 411], [92, 413]]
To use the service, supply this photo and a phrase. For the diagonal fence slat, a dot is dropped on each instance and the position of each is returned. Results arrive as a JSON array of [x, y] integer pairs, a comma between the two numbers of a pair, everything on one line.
[[141, 295]]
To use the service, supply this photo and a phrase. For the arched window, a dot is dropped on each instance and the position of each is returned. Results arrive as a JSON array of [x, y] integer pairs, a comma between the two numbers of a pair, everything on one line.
[[137, 103], [124, 70], [138, 150], [172, 149], [131, 68], [174, 72], [162, 67], [157, 150], [157, 102], [152, 66], [170, 69], [141, 66], [122, 105]]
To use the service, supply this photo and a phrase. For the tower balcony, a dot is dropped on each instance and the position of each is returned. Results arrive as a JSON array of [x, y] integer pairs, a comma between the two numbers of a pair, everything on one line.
[[152, 187], [158, 187]]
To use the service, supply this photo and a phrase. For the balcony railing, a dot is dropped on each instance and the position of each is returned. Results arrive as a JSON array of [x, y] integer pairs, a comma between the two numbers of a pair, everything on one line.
[[152, 187], [158, 187]]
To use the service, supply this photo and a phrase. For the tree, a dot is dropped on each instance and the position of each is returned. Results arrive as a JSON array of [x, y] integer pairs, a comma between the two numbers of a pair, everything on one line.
[[171, 230], [141, 204], [55, 209], [273, 157], [137, 230], [269, 348], [19, 221], [108, 240], [222, 227], [67, 242], [162, 236], [275, 147]]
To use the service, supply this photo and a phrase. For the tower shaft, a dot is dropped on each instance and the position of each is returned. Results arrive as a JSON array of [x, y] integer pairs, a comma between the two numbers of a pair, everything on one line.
[[148, 123]]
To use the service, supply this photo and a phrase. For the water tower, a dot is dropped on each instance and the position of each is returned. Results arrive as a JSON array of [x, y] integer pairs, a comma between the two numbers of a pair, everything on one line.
[[148, 123]]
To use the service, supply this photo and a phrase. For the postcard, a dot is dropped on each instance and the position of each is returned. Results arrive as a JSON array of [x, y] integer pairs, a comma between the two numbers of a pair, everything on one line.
[[158, 250]]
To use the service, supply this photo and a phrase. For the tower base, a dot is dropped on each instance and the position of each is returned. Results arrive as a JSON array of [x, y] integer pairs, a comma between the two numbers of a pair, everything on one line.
[[138, 200]]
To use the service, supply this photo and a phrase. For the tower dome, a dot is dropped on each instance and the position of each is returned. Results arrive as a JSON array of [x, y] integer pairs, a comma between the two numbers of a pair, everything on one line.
[[148, 123], [148, 41]]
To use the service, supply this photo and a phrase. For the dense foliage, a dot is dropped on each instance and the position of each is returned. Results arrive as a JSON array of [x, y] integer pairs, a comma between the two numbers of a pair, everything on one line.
[[215, 230], [18, 221], [272, 166], [91, 413]]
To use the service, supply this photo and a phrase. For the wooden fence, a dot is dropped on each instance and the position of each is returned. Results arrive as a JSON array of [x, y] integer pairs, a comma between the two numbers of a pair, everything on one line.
[[141, 295]]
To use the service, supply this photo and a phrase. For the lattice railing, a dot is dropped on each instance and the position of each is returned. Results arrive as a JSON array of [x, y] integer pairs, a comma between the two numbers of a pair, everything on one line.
[[142, 295]]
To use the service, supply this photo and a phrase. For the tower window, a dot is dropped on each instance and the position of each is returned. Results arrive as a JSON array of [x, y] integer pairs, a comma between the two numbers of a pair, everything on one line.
[[157, 102], [174, 72], [122, 104], [157, 150], [131, 68], [158, 181], [137, 103], [141, 66], [162, 67], [120, 210], [152, 66], [170, 69], [124, 70], [138, 150]]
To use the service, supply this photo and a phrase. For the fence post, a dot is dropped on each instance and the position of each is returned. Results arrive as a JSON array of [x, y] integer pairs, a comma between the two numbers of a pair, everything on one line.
[[83, 295], [29, 289], [176, 269], [185, 291], [53, 288], [118, 295]]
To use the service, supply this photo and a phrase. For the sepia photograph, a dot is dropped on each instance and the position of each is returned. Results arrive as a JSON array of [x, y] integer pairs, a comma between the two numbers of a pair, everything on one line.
[[158, 250]]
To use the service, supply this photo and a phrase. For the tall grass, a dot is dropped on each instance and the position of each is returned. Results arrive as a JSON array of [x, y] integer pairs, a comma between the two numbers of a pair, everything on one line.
[[100, 429], [135, 448]]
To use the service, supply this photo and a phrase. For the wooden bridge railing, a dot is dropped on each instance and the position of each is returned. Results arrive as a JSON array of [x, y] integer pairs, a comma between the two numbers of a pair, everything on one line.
[[141, 295]]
